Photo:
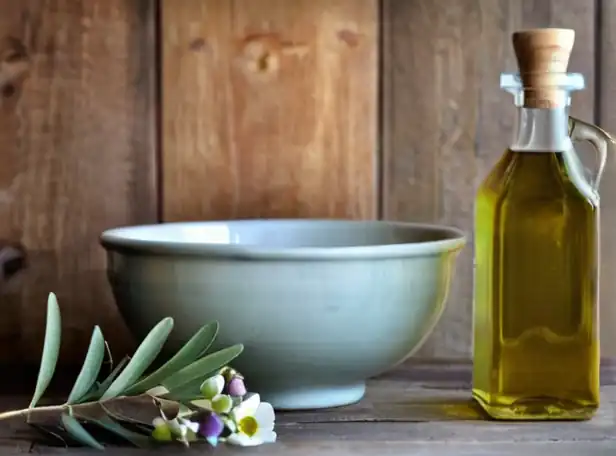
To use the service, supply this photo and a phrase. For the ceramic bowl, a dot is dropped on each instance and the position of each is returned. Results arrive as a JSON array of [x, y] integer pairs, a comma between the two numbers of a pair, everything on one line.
[[320, 305]]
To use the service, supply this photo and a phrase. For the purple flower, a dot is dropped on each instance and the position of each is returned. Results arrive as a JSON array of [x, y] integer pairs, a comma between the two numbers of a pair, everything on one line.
[[236, 387], [211, 426]]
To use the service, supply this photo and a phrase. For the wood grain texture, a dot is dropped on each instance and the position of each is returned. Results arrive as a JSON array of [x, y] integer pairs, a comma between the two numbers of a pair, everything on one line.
[[269, 108], [428, 391], [77, 145], [353, 447], [446, 121], [606, 112], [412, 410]]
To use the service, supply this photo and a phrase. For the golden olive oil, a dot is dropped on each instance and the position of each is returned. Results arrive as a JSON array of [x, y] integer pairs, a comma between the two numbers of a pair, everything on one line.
[[536, 348]]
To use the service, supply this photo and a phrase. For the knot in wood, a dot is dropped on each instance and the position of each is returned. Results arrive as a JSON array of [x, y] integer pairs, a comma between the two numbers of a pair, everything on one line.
[[14, 64], [262, 54]]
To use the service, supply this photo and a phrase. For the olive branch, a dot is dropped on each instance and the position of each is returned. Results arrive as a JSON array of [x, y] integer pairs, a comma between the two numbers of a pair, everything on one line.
[[124, 403]]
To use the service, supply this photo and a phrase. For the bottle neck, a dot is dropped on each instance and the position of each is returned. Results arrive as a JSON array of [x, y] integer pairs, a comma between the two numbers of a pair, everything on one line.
[[542, 130]]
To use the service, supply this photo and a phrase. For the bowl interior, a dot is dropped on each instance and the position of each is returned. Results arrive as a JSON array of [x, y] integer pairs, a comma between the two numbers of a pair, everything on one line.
[[286, 233]]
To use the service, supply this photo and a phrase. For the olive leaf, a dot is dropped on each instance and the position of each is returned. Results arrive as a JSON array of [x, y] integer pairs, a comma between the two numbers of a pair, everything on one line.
[[198, 344], [91, 367], [101, 417], [51, 349], [140, 410], [98, 391], [107, 423], [187, 391], [124, 403], [202, 367], [141, 360], [78, 432]]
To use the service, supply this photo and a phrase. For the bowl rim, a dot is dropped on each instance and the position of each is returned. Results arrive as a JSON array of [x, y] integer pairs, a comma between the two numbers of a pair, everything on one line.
[[453, 241]]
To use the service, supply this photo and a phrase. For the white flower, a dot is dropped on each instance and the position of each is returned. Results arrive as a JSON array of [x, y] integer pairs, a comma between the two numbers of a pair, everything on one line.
[[254, 421]]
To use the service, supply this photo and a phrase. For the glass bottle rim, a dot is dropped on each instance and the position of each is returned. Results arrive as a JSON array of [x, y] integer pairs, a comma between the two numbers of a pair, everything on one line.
[[564, 81]]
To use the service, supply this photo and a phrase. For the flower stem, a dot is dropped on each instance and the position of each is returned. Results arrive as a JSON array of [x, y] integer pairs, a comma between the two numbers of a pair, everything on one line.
[[27, 411]]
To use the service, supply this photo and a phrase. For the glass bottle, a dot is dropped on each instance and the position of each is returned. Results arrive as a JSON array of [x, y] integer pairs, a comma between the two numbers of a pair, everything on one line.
[[535, 335]]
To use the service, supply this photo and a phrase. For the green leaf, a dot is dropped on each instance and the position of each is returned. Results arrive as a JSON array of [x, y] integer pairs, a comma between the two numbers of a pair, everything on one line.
[[188, 391], [139, 409], [202, 367], [197, 345], [78, 432], [147, 351], [98, 392], [207, 346], [51, 349], [107, 423], [91, 367], [157, 391]]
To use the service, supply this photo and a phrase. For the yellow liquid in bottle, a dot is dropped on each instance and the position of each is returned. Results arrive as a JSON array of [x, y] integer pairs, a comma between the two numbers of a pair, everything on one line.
[[536, 347]]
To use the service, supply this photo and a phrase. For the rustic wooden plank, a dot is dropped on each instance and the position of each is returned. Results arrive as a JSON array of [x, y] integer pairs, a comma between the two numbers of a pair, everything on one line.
[[395, 401], [606, 104], [446, 121], [269, 108], [399, 415], [452, 432], [370, 448], [367, 448], [77, 135], [432, 391], [403, 448]]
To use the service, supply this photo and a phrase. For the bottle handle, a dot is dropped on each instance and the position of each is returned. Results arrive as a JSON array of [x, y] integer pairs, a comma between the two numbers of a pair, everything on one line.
[[601, 141]]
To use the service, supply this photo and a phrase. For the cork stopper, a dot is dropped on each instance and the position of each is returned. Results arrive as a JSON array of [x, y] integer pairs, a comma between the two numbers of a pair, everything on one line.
[[543, 56]]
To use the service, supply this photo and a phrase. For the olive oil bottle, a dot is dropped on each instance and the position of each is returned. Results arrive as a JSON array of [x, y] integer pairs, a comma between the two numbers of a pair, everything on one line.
[[536, 335]]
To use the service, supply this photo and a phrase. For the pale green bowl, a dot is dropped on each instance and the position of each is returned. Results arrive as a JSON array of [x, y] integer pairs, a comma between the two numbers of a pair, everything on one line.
[[320, 305]]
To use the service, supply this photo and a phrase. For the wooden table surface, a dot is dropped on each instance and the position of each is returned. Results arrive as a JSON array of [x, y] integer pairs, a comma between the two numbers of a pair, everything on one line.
[[418, 409]]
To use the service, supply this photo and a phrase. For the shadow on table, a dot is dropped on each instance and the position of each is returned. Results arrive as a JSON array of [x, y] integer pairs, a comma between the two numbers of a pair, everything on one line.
[[441, 408]]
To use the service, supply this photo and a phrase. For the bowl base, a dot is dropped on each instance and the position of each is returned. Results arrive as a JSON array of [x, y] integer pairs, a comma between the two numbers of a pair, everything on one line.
[[314, 397]]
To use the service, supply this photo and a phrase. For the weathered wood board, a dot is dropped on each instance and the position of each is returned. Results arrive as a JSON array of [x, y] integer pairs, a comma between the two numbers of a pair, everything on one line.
[[269, 109], [413, 410], [77, 142]]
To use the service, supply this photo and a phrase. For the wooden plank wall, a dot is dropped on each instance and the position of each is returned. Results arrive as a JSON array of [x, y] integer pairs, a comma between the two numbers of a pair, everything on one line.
[[77, 140], [270, 108], [267, 108]]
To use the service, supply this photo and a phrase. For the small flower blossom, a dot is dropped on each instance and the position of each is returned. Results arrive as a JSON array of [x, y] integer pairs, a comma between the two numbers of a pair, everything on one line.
[[180, 429], [213, 399], [162, 431], [222, 404], [211, 427], [236, 387], [254, 421], [224, 412], [228, 373], [213, 386]]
